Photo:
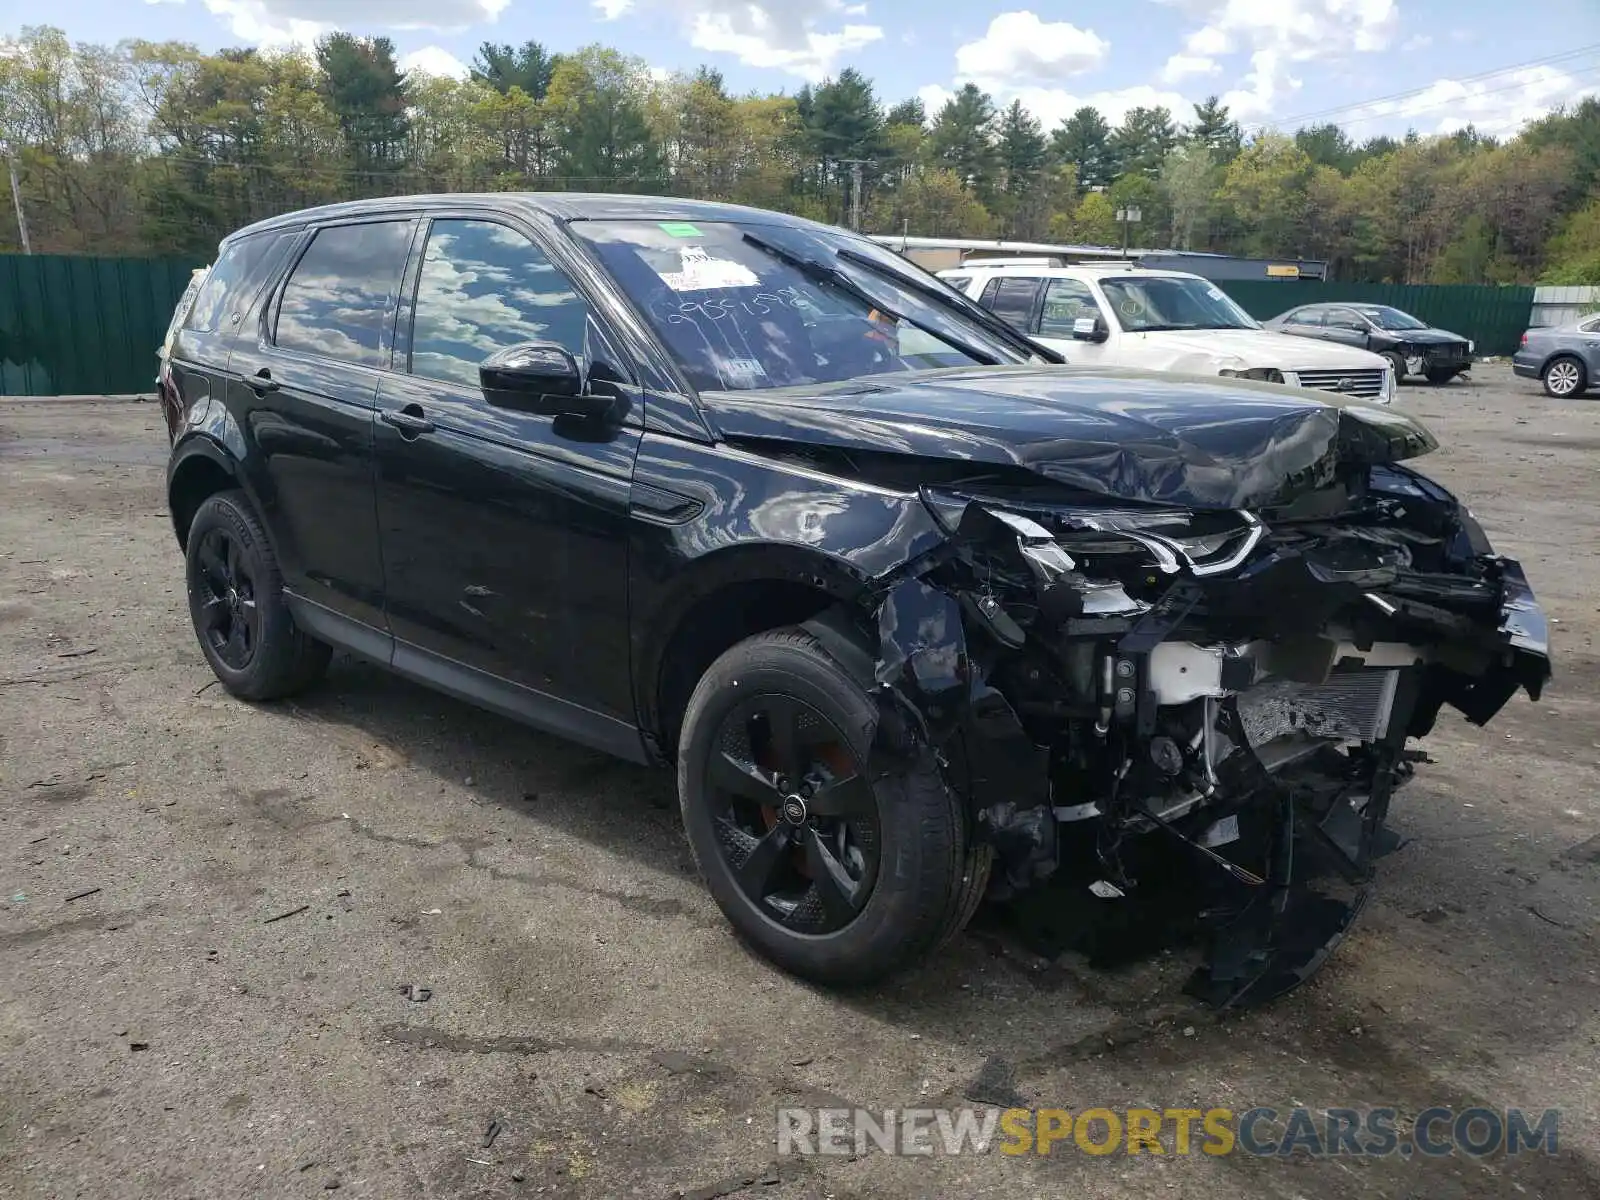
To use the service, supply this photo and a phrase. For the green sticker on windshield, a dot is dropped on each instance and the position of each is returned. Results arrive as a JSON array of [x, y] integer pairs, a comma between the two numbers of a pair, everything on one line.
[[679, 229]]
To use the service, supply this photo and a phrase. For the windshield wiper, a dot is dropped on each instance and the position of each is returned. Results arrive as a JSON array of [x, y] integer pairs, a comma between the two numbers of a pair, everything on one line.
[[832, 275], [973, 310]]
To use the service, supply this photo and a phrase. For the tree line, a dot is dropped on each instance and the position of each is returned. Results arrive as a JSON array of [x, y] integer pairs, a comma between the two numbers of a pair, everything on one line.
[[158, 148]]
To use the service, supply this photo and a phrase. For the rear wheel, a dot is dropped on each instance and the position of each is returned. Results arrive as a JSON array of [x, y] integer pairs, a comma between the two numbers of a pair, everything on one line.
[[1565, 376], [237, 605], [831, 873]]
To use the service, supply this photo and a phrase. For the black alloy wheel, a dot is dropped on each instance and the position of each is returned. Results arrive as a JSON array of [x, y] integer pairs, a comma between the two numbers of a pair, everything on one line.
[[838, 874], [796, 818], [238, 605], [229, 618]]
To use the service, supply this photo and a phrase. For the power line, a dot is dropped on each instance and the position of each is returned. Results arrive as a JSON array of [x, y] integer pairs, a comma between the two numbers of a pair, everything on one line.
[[1321, 114], [1585, 77]]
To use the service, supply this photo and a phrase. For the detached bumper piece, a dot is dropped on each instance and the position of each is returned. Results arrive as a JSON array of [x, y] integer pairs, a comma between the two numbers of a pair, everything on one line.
[[1194, 723]]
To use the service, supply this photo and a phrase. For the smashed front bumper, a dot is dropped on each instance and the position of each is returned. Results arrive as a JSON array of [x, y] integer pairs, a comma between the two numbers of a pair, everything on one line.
[[1236, 688]]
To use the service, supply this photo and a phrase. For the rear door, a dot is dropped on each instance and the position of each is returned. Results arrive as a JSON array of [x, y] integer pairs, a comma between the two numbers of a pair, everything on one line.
[[505, 531], [1014, 298], [1306, 322], [194, 355], [305, 393]]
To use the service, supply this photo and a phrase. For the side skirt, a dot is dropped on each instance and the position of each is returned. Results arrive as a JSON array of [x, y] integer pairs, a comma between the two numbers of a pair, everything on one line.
[[524, 704]]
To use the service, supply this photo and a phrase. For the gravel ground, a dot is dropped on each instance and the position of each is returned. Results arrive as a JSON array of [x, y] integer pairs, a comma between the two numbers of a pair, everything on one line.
[[223, 1015]]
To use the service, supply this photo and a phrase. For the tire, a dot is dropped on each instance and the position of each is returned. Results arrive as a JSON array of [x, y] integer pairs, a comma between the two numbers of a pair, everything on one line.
[[1442, 375], [237, 606], [1564, 377], [1397, 363], [927, 879]]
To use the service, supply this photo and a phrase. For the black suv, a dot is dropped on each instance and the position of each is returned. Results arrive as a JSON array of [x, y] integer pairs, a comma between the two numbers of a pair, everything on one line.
[[919, 615]]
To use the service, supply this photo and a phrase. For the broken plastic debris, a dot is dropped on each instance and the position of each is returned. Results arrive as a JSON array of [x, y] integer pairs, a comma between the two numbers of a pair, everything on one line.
[[1106, 890]]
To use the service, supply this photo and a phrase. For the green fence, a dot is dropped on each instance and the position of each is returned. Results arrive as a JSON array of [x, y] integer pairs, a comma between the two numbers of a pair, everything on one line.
[[1493, 317], [85, 326], [74, 326]]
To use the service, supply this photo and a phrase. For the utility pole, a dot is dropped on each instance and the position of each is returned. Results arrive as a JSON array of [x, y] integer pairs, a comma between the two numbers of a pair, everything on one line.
[[855, 165], [1127, 216], [16, 200]]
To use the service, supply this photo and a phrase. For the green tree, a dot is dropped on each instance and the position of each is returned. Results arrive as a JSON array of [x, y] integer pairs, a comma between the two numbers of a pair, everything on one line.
[[503, 67], [1574, 253], [1216, 130], [1084, 142], [1094, 222], [1143, 140], [601, 134], [1189, 179], [1328, 146], [365, 90], [1266, 189], [962, 139]]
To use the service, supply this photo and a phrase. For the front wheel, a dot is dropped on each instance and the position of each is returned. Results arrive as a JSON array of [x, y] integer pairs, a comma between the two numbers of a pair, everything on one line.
[[1440, 375], [1565, 377], [1397, 364], [831, 873]]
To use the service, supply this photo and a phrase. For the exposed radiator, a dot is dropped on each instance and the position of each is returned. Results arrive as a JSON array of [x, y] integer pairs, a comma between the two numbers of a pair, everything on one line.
[[1350, 706]]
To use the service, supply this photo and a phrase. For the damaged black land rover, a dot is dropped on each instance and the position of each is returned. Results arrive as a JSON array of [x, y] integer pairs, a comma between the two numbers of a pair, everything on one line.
[[919, 614]]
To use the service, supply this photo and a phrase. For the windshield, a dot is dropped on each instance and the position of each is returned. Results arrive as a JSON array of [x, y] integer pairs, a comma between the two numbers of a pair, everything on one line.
[[1391, 318], [748, 306], [1145, 303]]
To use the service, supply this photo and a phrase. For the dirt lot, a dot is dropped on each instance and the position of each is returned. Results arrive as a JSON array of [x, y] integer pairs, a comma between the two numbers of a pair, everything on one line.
[[223, 1015]]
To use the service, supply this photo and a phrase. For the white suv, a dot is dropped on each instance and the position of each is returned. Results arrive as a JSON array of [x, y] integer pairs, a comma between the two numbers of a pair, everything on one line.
[[1126, 316]]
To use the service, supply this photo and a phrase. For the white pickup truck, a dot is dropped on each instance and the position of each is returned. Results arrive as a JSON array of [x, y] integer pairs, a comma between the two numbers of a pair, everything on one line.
[[1128, 316]]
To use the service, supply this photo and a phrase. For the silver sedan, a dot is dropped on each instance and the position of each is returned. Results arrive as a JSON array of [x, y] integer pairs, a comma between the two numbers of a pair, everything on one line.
[[1565, 358]]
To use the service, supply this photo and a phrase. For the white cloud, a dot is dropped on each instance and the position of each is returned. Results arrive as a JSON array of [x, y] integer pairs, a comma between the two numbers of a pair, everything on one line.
[[783, 35], [1499, 105], [1277, 34], [812, 58], [1021, 50], [434, 60], [280, 22], [1181, 66], [1262, 89], [1417, 41]]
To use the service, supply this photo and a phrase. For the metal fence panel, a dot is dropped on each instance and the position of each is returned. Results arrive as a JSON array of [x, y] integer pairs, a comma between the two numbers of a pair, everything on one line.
[[84, 326], [1493, 317]]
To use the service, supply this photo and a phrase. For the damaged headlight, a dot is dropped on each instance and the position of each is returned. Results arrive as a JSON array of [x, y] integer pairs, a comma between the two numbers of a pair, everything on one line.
[[1056, 539], [1260, 374]]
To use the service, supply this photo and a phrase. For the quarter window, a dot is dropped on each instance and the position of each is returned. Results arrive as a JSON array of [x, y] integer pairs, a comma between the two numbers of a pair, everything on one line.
[[343, 289], [1065, 300], [484, 287], [218, 302]]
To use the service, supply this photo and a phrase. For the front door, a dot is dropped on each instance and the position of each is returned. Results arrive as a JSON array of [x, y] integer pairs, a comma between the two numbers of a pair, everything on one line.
[[1066, 302], [504, 532]]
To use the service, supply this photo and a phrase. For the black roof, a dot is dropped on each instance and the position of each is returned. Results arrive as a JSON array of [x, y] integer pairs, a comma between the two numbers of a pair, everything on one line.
[[563, 206]]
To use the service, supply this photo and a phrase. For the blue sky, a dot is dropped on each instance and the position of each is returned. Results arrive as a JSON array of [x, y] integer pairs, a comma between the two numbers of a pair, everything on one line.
[[1376, 66]]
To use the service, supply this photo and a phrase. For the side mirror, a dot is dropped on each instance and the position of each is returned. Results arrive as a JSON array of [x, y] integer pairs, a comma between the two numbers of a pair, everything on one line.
[[1090, 329], [540, 377]]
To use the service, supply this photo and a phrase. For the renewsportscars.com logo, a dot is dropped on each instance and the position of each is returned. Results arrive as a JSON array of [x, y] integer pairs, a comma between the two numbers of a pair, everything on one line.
[[1262, 1131]]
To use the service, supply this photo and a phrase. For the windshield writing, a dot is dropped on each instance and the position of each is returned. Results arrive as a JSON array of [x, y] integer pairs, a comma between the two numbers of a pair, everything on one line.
[[745, 312]]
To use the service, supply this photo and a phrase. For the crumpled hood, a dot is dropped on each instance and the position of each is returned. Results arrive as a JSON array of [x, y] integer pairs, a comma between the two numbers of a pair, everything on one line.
[[1425, 337], [1157, 438]]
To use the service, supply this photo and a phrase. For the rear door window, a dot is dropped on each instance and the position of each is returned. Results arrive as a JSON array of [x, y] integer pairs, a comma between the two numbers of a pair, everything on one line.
[[343, 290], [1012, 298]]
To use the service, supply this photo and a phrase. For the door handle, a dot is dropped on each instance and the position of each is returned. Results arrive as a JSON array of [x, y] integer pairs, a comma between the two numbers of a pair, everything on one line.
[[409, 420], [262, 382]]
